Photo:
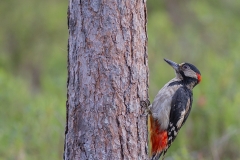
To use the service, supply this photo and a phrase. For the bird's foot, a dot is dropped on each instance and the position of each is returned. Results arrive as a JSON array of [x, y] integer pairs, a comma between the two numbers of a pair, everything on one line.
[[145, 107]]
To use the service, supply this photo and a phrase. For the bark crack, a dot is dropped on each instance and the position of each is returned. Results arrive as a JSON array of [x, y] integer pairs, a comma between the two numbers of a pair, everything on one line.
[[120, 137]]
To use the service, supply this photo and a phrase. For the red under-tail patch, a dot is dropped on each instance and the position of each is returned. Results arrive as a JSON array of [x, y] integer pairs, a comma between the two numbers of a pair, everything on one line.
[[199, 77], [158, 138]]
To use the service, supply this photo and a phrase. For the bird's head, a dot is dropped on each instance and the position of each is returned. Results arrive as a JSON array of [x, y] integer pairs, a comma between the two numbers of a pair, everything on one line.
[[186, 72]]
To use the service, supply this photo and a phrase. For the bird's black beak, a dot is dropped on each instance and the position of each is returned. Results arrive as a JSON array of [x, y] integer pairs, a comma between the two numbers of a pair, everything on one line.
[[173, 64]]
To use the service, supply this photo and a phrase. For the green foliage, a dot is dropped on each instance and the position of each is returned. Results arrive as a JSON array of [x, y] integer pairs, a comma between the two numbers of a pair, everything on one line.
[[207, 35], [33, 74]]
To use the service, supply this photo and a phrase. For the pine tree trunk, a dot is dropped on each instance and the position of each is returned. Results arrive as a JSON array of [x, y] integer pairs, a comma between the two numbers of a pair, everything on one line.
[[107, 79]]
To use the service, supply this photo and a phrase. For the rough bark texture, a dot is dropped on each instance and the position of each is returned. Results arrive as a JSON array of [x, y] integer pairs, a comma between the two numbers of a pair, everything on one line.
[[107, 79]]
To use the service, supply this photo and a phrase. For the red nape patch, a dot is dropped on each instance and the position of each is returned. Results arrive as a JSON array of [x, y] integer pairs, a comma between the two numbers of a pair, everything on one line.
[[158, 138], [199, 77]]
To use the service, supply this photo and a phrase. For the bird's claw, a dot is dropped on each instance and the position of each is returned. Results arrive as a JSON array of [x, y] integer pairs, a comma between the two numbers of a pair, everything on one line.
[[145, 104]]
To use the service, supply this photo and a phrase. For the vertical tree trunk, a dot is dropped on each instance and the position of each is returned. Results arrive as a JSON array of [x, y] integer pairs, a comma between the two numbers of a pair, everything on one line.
[[107, 79]]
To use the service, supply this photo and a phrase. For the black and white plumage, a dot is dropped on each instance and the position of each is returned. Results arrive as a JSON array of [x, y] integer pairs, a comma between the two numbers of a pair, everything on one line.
[[171, 107]]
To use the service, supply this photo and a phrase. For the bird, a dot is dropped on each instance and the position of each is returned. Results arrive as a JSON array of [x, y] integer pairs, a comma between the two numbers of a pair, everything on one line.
[[171, 107]]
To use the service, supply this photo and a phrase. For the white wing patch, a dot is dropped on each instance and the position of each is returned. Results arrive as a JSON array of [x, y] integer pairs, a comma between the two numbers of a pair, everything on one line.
[[188, 105], [183, 113], [180, 121]]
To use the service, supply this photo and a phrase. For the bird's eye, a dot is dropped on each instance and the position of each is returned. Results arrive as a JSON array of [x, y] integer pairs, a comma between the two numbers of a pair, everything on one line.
[[185, 67]]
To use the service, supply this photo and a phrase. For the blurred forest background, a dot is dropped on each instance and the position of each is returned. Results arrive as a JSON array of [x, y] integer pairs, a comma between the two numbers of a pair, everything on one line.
[[33, 74]]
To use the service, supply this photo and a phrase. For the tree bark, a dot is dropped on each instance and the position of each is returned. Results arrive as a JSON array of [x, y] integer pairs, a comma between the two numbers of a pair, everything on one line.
[[107, 79]]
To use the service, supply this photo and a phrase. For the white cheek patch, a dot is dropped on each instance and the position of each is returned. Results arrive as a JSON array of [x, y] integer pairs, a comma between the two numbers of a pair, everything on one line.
[[190, 73]]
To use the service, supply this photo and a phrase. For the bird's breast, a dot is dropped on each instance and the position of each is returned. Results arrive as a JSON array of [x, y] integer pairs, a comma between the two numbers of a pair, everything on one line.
[[161, 105]]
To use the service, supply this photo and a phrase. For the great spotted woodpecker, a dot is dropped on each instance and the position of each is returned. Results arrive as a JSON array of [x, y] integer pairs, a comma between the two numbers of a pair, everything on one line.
[[171, 107]]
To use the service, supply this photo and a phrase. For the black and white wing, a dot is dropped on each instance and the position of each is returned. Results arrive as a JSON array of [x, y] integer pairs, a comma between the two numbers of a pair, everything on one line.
[[180, 109]]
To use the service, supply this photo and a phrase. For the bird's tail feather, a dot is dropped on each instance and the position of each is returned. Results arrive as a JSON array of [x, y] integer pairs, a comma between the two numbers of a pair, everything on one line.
[[156, 156]]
